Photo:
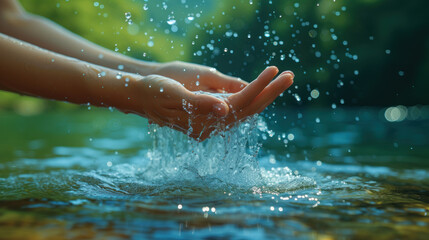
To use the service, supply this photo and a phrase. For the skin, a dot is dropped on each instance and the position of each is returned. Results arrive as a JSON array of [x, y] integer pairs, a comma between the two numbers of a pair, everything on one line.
[[68, 68]]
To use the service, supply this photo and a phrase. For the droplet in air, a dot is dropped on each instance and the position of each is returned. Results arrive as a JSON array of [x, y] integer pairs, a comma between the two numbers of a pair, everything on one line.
[[118, 75], [128, 18], [267, 34], [161, 89], [314, 93], [171, 21], [297, 97]]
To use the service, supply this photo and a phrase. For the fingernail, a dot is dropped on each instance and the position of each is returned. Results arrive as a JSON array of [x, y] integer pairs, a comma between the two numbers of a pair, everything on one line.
[[288, 72], [220, 109]]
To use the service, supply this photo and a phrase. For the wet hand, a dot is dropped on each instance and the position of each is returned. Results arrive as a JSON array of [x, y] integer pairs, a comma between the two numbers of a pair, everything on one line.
[[247, 102], [196, 77], [167, 102]]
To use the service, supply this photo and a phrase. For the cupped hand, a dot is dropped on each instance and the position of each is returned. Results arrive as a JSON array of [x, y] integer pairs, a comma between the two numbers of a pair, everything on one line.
[[196, 77], [166, 102], [247, 102]]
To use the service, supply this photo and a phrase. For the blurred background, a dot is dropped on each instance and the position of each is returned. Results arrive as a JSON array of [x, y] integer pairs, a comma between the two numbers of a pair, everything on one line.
[[344, 53]]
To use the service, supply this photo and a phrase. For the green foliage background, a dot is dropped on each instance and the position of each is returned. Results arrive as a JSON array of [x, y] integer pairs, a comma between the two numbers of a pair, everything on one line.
[[241, 37]]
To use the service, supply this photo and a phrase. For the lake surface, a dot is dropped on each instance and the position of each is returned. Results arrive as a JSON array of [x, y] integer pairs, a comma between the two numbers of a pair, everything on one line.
[[307, 174]]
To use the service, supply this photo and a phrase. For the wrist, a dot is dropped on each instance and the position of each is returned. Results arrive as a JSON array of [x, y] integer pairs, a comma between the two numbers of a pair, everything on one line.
[[110, 88], [140, 67]]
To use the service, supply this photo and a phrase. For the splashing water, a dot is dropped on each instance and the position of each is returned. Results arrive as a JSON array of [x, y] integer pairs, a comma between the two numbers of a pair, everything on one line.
[[228, 158]]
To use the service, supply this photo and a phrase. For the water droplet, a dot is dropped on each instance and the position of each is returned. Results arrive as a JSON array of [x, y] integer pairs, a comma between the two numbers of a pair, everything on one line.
[[171, 21], [197, 83], [318, 54], [297, 97], [145, 7], [118, 75], [101, 74], [314, 93], [161, 89], [128, 18], [121, 67], [267, 34]]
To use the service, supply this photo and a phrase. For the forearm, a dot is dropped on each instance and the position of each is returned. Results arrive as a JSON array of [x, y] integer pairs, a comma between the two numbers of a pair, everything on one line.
[[27, 69], [48, 35]]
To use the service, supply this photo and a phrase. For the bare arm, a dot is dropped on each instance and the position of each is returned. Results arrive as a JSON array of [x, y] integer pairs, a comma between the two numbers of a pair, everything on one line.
[[15, 22], [28, 69]]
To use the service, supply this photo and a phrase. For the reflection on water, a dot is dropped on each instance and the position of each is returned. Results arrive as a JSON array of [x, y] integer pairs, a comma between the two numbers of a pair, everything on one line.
[[98, 175]]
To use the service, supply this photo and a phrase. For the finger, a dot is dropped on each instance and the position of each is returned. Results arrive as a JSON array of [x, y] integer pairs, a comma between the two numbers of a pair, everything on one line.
[[245, 96], [270, 93], [227, 83]]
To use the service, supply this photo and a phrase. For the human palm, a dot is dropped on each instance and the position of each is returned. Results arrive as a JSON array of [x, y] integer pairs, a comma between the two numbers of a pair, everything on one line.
[[168, 102]]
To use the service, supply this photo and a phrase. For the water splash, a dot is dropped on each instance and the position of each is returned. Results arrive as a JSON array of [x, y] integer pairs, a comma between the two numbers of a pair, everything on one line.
[[228, 157]]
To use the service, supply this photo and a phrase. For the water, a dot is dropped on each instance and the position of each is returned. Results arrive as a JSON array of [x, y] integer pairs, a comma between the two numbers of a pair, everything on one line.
[[99, 175]]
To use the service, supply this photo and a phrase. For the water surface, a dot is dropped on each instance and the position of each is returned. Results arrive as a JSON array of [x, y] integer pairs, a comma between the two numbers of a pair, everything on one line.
[[329, 174]]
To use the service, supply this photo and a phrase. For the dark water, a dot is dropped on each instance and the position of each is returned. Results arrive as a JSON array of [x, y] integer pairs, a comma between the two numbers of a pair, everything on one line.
[[84, 174]]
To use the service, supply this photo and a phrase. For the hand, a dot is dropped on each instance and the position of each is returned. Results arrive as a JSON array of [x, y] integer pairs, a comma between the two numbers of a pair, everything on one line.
[[249, 101], [196, 77], [198, 115], [168, 103]]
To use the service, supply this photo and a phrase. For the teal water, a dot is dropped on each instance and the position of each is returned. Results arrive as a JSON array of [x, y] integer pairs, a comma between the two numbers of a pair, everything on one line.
[[316, 174]]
